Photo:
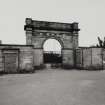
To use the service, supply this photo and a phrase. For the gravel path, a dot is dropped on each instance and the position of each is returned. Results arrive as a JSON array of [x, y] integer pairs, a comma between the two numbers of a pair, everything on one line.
[[53, 87]]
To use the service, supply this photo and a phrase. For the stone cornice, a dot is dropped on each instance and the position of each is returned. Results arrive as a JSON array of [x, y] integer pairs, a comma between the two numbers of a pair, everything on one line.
[[44, 25]]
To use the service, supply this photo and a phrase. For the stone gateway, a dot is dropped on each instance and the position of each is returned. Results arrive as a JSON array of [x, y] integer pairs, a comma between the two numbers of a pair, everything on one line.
[[37, 32], [20, 58]]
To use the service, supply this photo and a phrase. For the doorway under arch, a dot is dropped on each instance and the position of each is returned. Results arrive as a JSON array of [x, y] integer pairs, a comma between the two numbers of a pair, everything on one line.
[[52, 52]]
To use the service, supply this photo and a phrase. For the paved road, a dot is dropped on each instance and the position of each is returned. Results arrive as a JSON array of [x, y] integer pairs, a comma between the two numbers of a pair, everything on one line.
[[53, 87]]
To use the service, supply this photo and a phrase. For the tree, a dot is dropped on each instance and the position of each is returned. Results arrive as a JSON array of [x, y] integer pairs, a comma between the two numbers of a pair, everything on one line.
[[101, 43], [104, 43]]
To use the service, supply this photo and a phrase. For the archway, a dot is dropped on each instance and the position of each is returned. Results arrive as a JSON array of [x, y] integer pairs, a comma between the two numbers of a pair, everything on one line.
[[52, 52], [37, 32]]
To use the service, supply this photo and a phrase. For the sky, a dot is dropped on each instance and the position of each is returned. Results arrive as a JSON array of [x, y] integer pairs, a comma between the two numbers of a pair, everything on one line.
[[90, 14], [54, 45]]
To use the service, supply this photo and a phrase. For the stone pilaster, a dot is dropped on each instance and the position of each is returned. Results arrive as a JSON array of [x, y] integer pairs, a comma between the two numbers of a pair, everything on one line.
[[28, 37]]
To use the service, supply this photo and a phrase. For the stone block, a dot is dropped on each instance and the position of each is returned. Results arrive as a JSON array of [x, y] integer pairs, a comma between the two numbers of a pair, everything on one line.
[[38, 57], [68, 57]]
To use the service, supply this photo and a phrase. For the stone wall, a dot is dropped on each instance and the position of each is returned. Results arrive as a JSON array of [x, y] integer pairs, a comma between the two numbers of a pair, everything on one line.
[[79, 60], [1, 62], [38, 57], [89, 58], [97, 58], [25, 56], [68, 58], [103, 58]]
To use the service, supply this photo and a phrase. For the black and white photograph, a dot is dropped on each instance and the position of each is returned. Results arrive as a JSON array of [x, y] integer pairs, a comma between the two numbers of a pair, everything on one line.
[[52, 52]]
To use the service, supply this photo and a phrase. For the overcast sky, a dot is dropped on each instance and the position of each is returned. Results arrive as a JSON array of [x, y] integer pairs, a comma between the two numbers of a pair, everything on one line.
[[89, 13], [53, 46]]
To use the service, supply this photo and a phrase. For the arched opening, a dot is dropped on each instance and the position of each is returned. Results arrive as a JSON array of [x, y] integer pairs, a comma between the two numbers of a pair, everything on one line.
[[52, 52]]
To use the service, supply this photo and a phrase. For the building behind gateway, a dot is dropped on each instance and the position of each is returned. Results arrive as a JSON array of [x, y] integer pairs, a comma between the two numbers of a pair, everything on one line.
[[19, 58]]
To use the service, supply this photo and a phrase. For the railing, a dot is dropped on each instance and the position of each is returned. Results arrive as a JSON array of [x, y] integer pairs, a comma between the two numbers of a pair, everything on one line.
[[52, 52]]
